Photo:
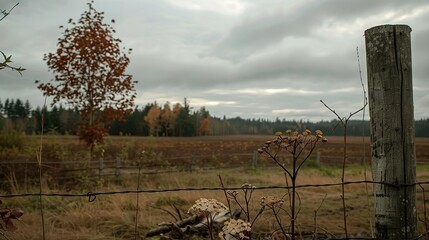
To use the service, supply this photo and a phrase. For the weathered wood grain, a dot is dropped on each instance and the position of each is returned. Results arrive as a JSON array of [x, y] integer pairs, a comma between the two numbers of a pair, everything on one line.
[[388, 54]]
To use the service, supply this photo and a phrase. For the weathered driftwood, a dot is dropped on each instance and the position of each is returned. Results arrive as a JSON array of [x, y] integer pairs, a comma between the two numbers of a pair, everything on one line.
[[192, 225], [167, 227]]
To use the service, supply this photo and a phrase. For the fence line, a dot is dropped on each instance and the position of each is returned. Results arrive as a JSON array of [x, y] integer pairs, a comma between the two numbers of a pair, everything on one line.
[[106, 168], [92, 195], [320, 158]]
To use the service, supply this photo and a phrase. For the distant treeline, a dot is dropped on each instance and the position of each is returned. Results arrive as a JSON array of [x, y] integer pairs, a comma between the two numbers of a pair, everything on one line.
[[177, 120]]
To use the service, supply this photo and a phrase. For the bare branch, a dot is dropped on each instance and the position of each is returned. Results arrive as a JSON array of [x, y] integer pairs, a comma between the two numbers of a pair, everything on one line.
[[5, 13]]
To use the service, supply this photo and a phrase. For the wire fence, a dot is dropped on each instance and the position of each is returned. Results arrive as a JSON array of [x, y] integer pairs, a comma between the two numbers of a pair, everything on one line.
[[93, 195], [116, 167]]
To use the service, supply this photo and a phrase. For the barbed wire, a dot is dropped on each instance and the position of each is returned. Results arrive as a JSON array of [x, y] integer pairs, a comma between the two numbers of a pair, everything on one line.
[[93, 195], [326, 158]]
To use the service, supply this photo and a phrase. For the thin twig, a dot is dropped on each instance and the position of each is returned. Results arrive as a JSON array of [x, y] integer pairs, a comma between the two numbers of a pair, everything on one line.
[[166, 211], [295, 144], [424, 208], [210, 225], [137, 204], [179, 214], [315, 216], [273, 157], [293, 179], [299, 205], [344, 122], [226, 195], [234, 196], [306, 157], [365, 100], [288, 193], [279, 221], [39, 161], [4, 235], [247, 201], [7, 13], [261, 210]]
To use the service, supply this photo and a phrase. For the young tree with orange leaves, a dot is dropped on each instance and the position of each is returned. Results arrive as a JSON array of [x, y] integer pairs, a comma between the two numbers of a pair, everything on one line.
[[89, 69], [204, 127], [167, 119], [153, 119]]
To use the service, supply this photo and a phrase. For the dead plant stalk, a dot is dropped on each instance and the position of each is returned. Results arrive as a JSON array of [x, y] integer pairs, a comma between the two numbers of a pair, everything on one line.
[[300, 146], [39, 163], [344, 121]]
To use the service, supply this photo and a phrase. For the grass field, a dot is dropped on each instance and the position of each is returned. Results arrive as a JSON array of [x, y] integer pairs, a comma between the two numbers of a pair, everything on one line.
[[113, 216]]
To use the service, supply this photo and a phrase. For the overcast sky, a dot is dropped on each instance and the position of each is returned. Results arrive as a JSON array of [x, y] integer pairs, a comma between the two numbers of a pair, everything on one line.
[[247, 58]]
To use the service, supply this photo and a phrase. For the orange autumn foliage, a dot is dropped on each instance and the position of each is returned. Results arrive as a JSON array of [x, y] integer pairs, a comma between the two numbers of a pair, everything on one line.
[[204, 127], [89, 69]]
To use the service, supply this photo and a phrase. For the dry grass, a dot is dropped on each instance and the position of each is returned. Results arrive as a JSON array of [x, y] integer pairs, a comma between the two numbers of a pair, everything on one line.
[[112, 217]]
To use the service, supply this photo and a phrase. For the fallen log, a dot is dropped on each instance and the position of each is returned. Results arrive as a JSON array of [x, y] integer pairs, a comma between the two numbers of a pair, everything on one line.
[[167, 227], [191, 224]]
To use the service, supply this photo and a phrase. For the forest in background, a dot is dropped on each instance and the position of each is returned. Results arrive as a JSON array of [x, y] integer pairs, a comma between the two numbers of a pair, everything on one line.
[[167, 120]]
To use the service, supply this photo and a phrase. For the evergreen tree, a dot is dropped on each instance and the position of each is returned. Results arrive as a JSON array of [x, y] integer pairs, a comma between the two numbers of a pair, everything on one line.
[[184, 124], [1, 109]]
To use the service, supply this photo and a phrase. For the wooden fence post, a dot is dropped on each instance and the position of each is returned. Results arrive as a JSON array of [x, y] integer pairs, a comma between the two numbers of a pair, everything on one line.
[[388, 55], [255, 159], [192, 164], [100, 167], [26, 175], [118, 168]]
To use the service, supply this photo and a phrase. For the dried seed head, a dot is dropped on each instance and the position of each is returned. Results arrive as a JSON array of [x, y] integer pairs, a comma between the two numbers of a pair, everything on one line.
[[284, 145], [313, 138], [238, 229], [272, 201], [247, 186], [232, 193], [204, 207], [306, 132]]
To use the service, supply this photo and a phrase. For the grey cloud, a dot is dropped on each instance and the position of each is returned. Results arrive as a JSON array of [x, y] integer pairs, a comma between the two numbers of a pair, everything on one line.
[[271, 27], [304, 46], [420, 55], [301, 65], [421, 101], [155, 69]]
